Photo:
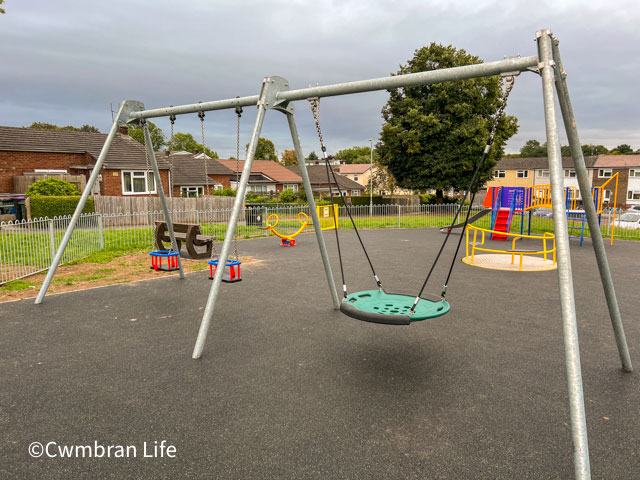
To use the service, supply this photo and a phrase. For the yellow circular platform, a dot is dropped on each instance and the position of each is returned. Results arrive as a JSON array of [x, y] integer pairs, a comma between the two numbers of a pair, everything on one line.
[[502, 261]]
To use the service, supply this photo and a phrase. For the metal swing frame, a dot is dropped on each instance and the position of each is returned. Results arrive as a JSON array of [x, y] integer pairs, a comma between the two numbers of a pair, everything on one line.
[[276, 95]]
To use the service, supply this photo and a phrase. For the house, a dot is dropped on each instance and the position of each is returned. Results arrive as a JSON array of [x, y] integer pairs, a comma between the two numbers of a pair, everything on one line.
[[267, 177], [28, 155], [628, 169], [526, 172], [358, 172], [320, 183], [187, 173]]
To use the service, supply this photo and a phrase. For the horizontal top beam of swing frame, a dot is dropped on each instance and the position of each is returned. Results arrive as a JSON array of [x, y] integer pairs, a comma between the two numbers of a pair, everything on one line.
[[509, 65]]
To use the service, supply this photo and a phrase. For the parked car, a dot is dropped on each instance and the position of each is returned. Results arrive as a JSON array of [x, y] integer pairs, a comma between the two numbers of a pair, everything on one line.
[[633, 208], [629, 220], [543, 212]]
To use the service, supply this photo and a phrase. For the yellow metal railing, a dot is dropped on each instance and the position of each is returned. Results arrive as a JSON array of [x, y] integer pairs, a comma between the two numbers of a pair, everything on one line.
[[475, 246]]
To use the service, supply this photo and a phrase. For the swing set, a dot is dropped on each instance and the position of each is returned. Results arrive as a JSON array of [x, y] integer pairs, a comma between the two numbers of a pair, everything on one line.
[[378, 305]]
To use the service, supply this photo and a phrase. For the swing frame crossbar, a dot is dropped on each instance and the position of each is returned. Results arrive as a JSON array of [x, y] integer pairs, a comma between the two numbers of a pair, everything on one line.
[[276, 95]]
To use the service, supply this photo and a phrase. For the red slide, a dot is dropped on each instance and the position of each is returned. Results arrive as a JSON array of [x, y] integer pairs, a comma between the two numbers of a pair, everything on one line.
[[501, 225]]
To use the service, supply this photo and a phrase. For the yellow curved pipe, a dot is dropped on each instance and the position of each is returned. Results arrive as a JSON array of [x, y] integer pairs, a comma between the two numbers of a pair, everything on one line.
[[272, 228]]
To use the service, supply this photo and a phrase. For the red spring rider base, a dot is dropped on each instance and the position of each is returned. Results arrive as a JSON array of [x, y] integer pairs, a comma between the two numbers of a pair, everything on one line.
[[288, 242], [156, 260], [231, 273]]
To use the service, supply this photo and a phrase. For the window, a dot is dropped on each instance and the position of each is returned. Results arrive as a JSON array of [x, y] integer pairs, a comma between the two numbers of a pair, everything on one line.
[[355, 178], [607, 195], [291, 186], [543, 173], [522, 174], [137, 182], [634, 172], [569, 173], [191, 191], [258, 188], [499, 174], [605, 173], [633, 195]]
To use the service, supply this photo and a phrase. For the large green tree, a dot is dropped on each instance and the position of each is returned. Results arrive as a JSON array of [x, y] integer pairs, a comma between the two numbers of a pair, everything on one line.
[[186, 142], [69, 128], [157, 136], [623, 149], [533, 148], [434, 135], [594, 150], [289, 158], [356, 155], [265, 150]]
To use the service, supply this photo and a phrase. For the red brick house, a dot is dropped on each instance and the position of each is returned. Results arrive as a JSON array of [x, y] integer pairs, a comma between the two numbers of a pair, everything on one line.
[[187, 173], [320, 184], [27, 155], [266, 176]]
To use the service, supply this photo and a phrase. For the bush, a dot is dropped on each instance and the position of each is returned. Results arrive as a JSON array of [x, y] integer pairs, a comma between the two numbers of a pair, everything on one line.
[[362, 200], [43, 206], [225, 192], [52, 187], [287, 196], [430, 199]]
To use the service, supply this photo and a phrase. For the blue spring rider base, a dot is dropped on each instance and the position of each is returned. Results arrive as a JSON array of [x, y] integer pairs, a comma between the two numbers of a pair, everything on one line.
[[288, 242], [231, 273], [172, 260]]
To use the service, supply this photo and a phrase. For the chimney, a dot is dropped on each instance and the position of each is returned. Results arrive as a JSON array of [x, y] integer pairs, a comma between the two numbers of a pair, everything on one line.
[[123, 129]]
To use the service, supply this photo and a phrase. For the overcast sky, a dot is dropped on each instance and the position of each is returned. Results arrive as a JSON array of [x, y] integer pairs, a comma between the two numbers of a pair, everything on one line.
[[66, 61]]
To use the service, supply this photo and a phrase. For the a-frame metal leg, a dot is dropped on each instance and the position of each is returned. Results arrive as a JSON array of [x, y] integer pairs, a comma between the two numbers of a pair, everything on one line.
[[565, 280], [122, 118], [231, 227], [590, 209], [312, 210], [163, 200]]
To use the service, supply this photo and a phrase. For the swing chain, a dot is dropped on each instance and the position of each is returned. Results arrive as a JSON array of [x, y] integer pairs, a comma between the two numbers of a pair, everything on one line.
[[239, 114], [204, 155], [172, 119]]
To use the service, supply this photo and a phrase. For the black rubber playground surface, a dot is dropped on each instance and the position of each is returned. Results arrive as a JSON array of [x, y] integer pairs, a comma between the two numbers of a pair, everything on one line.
[[290, 388]]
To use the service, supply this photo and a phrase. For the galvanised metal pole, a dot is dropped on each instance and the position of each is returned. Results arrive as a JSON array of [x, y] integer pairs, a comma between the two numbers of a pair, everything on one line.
[[371, 180], [163, 201], [565, 280], [124, 112], [508, 65], [312, 210], [231, 227], [590, 209]]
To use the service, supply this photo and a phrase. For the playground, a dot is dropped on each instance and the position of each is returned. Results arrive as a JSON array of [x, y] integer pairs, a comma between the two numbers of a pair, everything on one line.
[[290, 388]]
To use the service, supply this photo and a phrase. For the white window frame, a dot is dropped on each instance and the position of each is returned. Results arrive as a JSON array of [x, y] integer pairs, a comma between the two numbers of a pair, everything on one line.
[[634, 172], [633, 195], [605, 173], [569, 173], [543, 173], [259, 188], [607, 195], [499, 174], [290, 186], [188, 189], [138, 174], [522, 174]]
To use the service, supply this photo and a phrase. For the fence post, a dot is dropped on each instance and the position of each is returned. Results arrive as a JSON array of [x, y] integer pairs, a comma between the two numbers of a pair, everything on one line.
[[197, 217], [52, 239], [100, 232], [398, 215]]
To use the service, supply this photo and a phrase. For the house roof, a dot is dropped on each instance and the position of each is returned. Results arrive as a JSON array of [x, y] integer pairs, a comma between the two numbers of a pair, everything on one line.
[[188, 168], [618, 161], [318, 176], [354, 168], [271, 169], [125, 152], [531, 163]]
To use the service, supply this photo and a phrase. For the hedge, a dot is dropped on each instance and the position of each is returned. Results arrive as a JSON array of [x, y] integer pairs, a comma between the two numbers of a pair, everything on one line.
[[54, 206], [365, 200]]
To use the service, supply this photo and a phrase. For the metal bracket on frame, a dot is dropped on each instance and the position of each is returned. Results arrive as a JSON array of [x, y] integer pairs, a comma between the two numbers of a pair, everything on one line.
[[271, 86]]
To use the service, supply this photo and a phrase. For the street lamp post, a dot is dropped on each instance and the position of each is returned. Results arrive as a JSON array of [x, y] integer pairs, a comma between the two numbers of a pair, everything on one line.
[[371, 181]]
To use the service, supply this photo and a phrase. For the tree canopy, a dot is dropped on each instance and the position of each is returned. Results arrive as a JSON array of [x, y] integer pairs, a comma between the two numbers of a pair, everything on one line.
[[533, 148], [434, 135], [2, 9], [265, 150], [157, 136], [356, 155], [312, 156], [623, 149], [186, 142], [69, 128], [52, 187], [289, 158]]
